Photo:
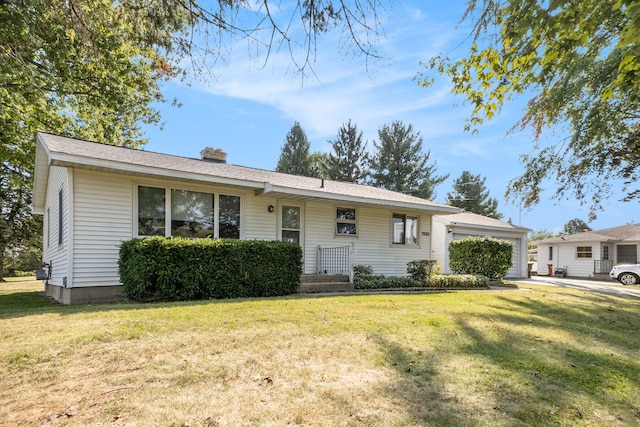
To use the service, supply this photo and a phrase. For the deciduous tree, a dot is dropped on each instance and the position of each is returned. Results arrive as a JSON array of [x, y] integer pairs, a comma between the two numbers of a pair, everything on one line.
[[575, 226], [90, 69], [578, 63]]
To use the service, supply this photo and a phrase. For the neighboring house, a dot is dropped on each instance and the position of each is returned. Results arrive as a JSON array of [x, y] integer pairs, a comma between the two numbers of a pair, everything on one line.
[[95, 196], [447, 228], [590, 253]]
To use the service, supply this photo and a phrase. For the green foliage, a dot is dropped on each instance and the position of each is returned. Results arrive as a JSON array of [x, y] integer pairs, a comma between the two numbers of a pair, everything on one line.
[[348, 160], [580, 64], [421, 270], [399, 163], [295, 158], [24, 259], [424, 274], [158, 268], [457, 281], [574, 226], [481, 256], [470, 194]]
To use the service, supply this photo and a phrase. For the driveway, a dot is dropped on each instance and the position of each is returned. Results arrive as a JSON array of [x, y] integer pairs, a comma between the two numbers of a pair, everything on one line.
[[587, 285]]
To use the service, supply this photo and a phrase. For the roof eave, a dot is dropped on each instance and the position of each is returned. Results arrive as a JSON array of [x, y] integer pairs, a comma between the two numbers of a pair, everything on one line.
[[270, 189], [491, 227], [70, 160]]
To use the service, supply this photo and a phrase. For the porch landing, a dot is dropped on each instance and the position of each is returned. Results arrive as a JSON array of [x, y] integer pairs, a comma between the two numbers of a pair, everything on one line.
[[316, 283]]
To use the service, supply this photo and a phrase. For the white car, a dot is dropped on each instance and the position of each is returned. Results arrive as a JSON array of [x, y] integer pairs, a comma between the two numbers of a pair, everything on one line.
[[626, 274]]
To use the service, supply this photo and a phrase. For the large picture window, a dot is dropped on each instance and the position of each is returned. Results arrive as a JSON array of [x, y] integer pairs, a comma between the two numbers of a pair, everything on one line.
[[191, 214], [188, 213], [404, 230], [346, 222]]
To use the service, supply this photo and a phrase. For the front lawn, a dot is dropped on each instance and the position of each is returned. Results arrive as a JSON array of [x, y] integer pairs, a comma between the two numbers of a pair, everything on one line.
[[533, 355]]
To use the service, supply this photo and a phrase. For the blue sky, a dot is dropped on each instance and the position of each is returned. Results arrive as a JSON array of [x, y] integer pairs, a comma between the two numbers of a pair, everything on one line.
[[246, 108]]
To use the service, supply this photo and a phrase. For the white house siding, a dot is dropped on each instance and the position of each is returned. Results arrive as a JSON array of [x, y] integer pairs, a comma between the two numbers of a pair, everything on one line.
[[566, 255], [372, 246], [439, 242], [103, 211], [54, 253], [319, 223], [260, 224]]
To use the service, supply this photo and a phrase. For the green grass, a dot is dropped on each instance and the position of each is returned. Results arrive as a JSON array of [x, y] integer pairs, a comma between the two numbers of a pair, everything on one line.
[[514, 357]]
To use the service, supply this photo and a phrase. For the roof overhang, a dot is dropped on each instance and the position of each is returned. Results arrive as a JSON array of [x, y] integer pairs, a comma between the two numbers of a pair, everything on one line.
[[280, 191], [45, 158]]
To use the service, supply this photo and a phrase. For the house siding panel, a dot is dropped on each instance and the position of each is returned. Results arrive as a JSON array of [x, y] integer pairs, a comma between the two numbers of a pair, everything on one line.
[[54, 253], [260, 224], [102, 221]]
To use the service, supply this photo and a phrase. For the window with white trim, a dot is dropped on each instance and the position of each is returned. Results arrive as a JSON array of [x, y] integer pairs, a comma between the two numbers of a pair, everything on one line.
[[584, 252], [187, 213], [291, 224], [404, 229], [346, 222], [550, 253]]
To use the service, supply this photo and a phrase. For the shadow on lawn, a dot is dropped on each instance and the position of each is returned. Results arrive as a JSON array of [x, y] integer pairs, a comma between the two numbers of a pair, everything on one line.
[[521, 372], [540, 379]]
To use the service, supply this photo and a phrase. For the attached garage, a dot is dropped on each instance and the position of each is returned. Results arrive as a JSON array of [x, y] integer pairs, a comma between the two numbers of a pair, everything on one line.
[[467, 224]]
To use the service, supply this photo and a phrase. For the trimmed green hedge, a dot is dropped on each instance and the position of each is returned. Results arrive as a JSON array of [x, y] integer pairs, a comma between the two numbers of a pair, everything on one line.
[[481, 256], [175, 269], [424, 277]]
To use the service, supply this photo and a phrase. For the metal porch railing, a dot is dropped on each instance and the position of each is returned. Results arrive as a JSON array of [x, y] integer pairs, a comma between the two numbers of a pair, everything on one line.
[[602, 265], [336, 260]]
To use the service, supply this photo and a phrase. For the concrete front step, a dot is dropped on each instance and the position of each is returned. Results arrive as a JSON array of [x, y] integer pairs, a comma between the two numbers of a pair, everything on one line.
[[306, 288], [324, 278]]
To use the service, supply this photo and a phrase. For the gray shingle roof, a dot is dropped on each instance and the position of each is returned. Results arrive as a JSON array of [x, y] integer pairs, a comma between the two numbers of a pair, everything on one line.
[[64, 151], [473, 219], [629, 232]]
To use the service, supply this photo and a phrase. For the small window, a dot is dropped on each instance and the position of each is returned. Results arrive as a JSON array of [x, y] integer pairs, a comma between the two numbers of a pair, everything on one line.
[[404, 230], [550, 253], [346, 222], [229, 221], [605, 252], [583, 252], [151, 211], [60, 221], [291, 224]]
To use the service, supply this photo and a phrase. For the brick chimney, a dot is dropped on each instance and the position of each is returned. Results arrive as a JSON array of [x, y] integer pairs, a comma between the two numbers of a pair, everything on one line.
[[215, 155]]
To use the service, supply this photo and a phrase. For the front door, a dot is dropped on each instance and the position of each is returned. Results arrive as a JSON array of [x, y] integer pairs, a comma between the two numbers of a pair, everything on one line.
[[627, 254]]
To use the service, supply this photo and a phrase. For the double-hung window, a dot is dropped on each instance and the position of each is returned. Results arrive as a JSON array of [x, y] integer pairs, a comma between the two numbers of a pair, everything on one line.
[[346, 222], [185, 213], [404, 229]]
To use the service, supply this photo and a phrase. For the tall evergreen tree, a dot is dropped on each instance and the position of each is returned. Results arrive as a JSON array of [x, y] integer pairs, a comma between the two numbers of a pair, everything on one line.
[[348, 160], [318, 168], [399, 163], [470, 194], [294, 155]]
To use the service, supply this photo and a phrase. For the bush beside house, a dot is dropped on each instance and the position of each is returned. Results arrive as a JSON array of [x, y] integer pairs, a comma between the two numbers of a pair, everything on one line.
[[168, 269], [481, 256], [422, 274]]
